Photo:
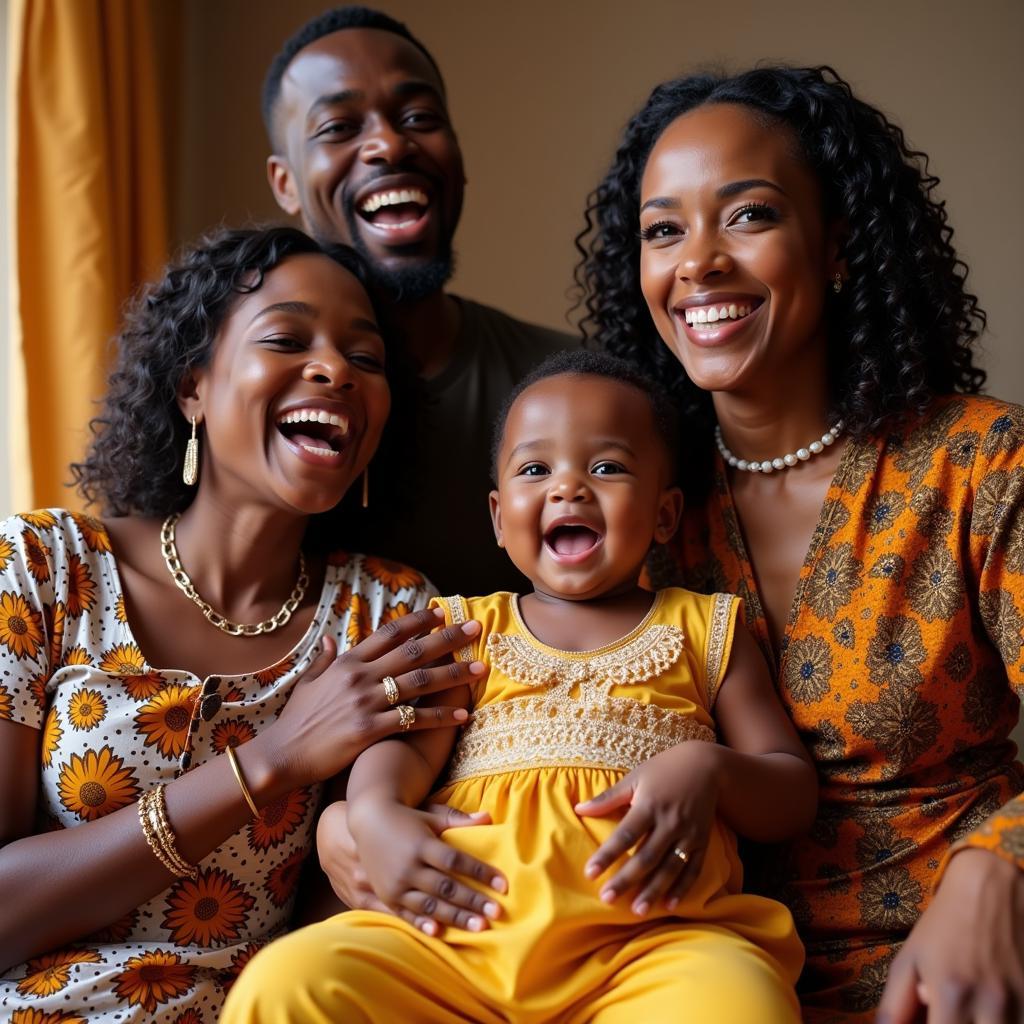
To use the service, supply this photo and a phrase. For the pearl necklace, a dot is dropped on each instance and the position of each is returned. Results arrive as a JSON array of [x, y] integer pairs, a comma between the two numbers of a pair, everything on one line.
[[784, 462], [170, 552]]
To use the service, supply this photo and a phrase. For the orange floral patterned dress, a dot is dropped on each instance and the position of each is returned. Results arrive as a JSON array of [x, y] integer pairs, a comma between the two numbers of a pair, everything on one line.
[[113, 727], [902, 667]]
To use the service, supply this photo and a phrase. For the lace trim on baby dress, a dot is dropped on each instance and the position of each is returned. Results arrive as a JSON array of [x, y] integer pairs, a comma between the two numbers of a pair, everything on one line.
[[593, 729]]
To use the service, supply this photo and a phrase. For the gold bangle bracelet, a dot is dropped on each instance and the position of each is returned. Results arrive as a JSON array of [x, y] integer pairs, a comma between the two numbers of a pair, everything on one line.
[[158, 815], [230, 751], [160, 836]]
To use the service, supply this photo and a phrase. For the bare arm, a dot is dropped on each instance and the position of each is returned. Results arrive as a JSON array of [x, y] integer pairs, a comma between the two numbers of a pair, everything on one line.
[[766, 783], [335, 711]]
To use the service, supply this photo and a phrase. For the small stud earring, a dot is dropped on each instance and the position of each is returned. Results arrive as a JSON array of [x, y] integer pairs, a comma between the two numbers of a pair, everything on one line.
[[837, 283], [366, 487], [190, 471]]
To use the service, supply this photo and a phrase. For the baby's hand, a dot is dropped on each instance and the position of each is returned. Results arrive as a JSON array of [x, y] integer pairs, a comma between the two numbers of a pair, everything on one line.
[[412, 870], [671, 801]]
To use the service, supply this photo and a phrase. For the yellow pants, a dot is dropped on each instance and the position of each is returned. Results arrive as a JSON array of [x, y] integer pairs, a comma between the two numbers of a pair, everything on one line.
[[363, 967]]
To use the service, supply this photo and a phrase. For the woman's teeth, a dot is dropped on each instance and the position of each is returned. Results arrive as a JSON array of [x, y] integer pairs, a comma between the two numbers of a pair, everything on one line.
[[315, 416], [712, 314]]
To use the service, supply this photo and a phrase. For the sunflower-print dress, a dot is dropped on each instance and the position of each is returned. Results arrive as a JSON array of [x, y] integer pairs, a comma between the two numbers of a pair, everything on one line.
[[902, 666], [113, 727]]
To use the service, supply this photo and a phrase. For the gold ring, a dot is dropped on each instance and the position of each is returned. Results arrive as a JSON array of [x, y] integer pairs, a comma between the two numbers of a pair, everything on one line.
[[390, 690], [406, 717], [681, 854]]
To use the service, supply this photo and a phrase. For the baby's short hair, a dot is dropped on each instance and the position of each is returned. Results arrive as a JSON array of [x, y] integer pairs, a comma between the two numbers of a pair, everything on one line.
[[581, 362]]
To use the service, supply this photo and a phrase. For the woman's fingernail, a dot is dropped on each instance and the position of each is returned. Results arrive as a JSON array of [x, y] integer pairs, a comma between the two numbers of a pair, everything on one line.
[[429, 927], [479, 814], [592, 870], [641, 907], [673, 903], [471, 628], [608, 895], [477, 668], [438, 613], [477, 924], [460, 714], [492, 910], [499, 884]]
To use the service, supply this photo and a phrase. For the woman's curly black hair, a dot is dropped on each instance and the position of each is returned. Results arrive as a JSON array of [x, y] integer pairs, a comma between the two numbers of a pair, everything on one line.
[[902, 329], [134, 464]]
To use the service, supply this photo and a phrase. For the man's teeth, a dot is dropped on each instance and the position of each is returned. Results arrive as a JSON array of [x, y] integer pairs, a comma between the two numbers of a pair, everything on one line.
[[712, 314], [394, 198], [315, 416]]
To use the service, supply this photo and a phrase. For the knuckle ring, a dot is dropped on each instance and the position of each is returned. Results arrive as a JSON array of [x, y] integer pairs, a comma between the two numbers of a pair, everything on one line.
[[681, 854], [406, 717], [390, 690]]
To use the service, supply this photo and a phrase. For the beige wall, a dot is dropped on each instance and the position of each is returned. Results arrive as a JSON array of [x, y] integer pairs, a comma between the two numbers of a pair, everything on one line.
[[541, 88]]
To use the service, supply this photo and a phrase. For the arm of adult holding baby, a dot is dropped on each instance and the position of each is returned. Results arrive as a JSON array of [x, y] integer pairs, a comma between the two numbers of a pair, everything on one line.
[[407, 865], [760, 780], [58, 886]]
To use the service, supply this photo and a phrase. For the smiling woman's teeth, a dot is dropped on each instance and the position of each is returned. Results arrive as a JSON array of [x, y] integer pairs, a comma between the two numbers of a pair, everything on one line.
[[712, 314], [315, 416]]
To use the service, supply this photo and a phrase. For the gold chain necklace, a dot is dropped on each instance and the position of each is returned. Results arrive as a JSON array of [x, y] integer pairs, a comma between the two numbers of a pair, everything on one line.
[[170, 552]]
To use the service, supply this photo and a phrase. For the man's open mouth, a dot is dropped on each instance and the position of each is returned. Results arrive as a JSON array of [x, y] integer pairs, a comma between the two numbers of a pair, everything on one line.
[[394, 209], [316, 431]]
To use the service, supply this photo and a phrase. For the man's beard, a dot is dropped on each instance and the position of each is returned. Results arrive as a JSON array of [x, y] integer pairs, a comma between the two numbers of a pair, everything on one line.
[[409, 283]]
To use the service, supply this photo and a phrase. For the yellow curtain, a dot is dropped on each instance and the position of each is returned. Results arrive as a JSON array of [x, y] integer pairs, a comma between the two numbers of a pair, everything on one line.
[[87, 218]]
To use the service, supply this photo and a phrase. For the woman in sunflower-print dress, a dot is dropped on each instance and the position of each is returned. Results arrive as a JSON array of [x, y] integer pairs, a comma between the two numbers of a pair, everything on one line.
[[768, 244], [117, 688]]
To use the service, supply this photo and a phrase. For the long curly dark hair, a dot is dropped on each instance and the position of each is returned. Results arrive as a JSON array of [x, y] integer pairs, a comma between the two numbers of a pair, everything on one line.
[[903, 327], [134, 464]]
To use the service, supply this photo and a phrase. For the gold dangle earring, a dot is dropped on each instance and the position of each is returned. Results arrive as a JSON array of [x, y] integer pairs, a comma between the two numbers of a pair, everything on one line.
[[190, 471], [837, 283], [366, 487]]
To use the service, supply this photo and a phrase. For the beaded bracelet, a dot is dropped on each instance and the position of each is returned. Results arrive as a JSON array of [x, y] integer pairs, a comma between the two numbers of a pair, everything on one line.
[[160, 836]]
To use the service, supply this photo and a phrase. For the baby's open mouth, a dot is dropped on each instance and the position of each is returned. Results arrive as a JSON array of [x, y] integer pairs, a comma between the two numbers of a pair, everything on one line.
[[572, 539], [315, 430], [394, 208]]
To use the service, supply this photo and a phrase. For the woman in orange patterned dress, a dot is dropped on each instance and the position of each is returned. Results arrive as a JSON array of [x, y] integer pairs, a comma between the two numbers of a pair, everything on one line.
[[160, 765], [770, 246]]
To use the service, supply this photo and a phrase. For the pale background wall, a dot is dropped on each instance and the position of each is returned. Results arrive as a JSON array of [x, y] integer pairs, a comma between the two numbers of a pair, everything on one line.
[[540, 89]]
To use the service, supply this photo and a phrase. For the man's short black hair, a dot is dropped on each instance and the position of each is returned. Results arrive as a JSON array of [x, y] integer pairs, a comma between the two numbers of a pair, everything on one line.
[[581, 362], [335, 20]]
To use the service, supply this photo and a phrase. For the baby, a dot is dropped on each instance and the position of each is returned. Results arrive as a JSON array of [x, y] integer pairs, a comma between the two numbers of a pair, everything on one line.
[[611, 727]]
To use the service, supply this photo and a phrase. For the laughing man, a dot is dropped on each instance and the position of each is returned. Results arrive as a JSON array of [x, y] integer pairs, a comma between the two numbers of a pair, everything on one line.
[[365, 153]]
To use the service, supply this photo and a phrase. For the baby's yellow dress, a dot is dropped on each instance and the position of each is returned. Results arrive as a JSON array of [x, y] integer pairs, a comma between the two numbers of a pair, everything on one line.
[[552, 728]]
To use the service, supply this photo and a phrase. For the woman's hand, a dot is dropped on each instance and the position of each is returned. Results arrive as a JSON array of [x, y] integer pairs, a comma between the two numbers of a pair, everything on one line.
[[412, 871], [339, 856], [671, 801], [339, 707], [964, 959]]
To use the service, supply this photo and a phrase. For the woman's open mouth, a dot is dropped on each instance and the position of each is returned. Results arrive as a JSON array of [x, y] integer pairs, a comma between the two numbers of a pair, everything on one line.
[[315, 435], [716, 321], [569, 542]]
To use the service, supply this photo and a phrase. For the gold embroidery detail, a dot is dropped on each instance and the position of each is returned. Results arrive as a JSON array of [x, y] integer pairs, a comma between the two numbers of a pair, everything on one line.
[[459, 612], [717, 634], [551, 731], [646, 657]]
